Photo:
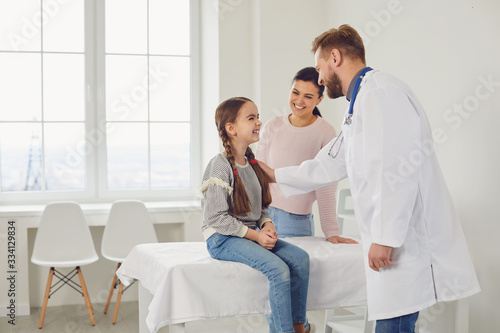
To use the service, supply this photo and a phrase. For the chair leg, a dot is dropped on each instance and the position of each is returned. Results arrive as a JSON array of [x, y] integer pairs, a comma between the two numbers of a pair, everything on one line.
[[118, 299], [368, 324], [329, 315], [113, 284], [86, 296], [46, 297]]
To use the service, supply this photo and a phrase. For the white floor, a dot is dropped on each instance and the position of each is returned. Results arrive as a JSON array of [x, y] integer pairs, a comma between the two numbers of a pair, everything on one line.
[[74, 319]]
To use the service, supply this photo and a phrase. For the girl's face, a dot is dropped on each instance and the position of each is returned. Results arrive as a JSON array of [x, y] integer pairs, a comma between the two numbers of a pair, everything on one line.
[[246, 128], [303, 99]]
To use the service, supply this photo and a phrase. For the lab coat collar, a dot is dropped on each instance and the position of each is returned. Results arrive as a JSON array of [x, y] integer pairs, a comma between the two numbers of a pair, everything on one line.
[[350, 90]]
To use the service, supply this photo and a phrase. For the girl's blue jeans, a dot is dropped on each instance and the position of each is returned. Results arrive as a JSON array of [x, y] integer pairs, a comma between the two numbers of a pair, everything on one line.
[[290, 225], [286, 267]]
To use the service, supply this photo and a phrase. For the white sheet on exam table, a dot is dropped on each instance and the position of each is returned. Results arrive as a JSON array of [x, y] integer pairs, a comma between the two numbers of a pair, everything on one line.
[[187, 284]]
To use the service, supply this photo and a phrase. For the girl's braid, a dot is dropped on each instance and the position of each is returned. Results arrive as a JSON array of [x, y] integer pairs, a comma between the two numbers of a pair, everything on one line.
[[241, 202], [262, 176]]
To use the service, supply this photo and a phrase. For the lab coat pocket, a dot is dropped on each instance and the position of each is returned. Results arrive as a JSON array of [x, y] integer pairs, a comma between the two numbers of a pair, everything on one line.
[[409, 251]]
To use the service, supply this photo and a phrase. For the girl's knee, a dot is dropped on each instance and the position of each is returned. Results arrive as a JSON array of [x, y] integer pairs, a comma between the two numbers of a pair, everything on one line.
[[303, 259], [280, 272]]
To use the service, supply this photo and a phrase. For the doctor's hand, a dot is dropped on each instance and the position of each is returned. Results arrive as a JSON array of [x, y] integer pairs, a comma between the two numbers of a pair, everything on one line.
[[269, 171], [379, 256], [338, 240]]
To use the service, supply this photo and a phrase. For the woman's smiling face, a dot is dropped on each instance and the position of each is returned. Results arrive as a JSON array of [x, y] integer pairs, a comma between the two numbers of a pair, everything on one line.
[[304, 97]]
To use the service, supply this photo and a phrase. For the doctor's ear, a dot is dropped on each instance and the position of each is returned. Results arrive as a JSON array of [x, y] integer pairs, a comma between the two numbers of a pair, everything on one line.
[[336, 56]]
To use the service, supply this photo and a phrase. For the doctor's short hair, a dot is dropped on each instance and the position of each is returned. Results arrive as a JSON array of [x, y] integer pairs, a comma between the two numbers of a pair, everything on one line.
[[346, 39]]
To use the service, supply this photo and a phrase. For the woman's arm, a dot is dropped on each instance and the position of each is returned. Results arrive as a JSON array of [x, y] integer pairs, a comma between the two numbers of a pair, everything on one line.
[[327, 206]]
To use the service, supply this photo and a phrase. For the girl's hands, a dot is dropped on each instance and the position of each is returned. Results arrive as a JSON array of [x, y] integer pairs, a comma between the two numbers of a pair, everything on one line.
[[268, 236], [269, 227], [267, 239]]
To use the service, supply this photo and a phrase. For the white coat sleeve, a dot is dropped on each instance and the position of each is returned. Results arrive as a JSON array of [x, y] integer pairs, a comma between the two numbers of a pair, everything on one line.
[[392, 155], [313, 174]]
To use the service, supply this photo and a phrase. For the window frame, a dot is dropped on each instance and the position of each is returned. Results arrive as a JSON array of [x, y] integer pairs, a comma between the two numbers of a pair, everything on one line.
[[95, 116]]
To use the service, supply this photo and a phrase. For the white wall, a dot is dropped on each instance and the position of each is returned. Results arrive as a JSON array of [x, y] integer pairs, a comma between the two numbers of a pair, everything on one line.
[[445, 50]]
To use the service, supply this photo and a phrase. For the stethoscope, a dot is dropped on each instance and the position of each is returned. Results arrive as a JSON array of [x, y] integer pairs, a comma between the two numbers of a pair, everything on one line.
[[348, 116]]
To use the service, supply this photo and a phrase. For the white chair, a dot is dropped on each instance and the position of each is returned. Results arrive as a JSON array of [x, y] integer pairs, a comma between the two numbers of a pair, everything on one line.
[[63, 239], [350, 321], [344, 213], [353, 319], [128, 225]]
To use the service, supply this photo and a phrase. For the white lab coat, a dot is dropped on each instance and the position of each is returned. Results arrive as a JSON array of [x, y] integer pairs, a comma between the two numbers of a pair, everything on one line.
[[399, 197]]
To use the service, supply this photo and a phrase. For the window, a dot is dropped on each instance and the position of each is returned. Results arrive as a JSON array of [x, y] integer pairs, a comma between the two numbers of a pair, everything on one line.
[[97, 99]]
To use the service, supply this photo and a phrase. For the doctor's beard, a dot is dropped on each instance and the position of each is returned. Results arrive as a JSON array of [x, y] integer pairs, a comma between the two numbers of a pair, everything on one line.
[[333, 86]]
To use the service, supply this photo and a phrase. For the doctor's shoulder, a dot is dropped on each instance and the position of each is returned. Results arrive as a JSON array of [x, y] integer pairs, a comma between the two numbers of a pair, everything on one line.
[[385, 80]]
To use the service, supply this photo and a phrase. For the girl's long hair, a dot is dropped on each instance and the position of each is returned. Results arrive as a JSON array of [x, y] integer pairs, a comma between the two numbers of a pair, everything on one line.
[[227, 112]]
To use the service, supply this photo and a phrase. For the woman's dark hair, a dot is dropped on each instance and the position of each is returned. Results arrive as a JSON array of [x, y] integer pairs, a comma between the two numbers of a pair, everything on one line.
[[309, 74]]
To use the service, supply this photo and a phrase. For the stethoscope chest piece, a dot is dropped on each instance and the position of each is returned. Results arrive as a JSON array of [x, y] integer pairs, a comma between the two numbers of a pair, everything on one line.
[[348, 119]]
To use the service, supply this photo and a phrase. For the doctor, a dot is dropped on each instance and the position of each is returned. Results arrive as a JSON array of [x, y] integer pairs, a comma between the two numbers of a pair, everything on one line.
[[415, 248]]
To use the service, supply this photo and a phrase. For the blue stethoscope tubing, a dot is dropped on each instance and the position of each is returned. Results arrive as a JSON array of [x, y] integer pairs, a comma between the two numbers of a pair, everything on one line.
[[348, 118]]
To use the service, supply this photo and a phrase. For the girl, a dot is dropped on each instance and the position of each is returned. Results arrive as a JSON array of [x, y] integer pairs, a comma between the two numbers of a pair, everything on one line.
[[235, 226]]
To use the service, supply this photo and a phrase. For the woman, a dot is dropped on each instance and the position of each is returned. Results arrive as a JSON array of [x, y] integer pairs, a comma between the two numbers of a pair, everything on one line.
[[289, 140]]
